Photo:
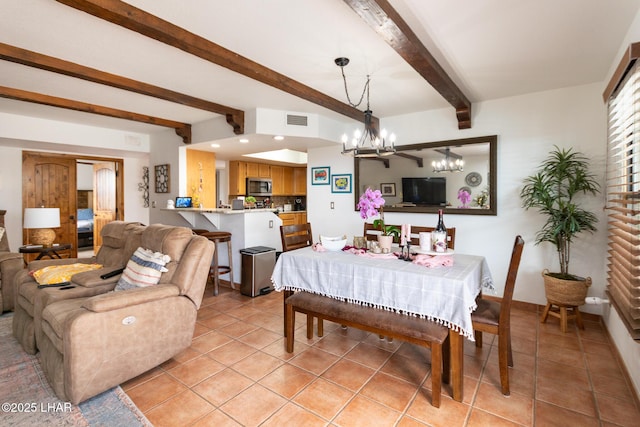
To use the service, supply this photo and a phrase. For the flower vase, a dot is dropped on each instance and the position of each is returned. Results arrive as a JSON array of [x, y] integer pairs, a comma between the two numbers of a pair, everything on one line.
[[385, 243]]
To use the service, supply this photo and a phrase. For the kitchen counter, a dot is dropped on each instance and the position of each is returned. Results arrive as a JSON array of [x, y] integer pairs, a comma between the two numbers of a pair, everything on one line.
[[248, 227], [221, 211]]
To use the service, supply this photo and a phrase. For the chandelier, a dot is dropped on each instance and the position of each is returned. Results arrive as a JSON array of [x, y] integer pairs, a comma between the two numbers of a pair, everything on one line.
[[368, 142], [451, 163]]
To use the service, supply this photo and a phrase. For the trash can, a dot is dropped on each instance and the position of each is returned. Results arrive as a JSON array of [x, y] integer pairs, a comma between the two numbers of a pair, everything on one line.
[[257, 268]]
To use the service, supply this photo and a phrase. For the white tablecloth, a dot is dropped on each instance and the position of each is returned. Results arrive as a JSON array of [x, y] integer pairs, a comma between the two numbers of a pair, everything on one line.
[[442, 294]]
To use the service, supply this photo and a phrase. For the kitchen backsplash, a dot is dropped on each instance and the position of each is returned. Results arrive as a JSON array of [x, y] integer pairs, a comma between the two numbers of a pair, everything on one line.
[[281, 201]]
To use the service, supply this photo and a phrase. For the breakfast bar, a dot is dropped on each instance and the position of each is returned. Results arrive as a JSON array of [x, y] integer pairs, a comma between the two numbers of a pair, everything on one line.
[[248, 227]]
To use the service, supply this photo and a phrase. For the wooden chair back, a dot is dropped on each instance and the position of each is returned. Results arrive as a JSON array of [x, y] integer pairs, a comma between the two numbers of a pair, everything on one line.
[[494, 317], [371, 233], [416, 230], [295, 236], [512, 273]]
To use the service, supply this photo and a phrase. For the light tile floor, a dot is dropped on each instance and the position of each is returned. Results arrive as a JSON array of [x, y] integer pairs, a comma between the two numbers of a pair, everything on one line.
[[237, 372]]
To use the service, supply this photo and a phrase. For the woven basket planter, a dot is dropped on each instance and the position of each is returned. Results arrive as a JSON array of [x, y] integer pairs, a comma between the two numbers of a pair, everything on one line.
[[565, 292]]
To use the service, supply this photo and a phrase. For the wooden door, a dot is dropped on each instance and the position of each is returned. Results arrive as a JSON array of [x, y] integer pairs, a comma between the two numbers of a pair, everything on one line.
[[104, 199], [49, 180]]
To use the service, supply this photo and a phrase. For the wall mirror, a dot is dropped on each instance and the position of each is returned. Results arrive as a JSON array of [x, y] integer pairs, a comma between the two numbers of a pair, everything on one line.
[[409, 183]]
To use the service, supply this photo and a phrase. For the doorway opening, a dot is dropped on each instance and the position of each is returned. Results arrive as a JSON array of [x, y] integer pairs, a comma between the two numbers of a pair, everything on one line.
[[88, 190]]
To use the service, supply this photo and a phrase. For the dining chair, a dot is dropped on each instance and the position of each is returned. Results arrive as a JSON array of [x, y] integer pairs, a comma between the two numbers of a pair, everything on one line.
[[371, 233], [416, 230], [296, 236], [293, 237], [495, 317]]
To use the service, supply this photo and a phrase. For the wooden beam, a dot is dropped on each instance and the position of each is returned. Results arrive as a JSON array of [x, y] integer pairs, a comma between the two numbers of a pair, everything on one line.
[[384, 19], [182, 129], [418, 160], [125, 15], [29, 58]]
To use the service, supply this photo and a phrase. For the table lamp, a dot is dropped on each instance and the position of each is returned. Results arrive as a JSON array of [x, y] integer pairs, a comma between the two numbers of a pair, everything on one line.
[[41, 221]]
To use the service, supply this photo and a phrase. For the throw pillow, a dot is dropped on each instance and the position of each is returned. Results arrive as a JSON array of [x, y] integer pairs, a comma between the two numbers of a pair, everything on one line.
[[61, 274], [143, 269]]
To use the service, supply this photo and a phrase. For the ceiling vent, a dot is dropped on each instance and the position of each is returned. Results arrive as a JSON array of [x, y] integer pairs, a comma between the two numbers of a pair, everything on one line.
[[296, 120]]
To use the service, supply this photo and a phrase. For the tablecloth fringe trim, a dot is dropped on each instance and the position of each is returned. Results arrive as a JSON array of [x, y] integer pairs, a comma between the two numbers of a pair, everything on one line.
[[442, 322]]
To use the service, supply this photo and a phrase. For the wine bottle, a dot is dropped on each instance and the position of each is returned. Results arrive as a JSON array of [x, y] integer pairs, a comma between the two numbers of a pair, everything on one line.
[[440, 226], [439, 235]]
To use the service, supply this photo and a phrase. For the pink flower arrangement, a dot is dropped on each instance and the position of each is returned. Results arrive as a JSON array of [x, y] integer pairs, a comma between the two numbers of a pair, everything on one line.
[[464, 197], [371, 204]]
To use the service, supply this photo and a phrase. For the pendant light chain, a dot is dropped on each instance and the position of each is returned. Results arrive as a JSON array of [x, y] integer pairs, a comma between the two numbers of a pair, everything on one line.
[[364, 90]]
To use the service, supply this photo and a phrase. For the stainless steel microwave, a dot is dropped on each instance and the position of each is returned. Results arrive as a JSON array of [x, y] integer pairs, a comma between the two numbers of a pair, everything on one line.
[[259, 187]]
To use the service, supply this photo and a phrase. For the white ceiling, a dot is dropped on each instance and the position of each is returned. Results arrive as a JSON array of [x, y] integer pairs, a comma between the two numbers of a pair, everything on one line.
[[491, 49]]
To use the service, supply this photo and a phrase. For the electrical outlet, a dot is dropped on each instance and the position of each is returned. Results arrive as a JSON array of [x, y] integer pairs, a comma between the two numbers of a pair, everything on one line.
[[270, 223], [333, 206], [153, 204]]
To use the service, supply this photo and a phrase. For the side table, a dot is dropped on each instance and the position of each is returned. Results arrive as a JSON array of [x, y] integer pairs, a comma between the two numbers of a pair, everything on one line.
[[42, 252]]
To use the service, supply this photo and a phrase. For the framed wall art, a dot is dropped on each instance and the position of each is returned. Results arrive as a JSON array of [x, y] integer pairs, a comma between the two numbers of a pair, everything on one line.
[[341, 183], [388, 189], [163, 184], [320, 175]]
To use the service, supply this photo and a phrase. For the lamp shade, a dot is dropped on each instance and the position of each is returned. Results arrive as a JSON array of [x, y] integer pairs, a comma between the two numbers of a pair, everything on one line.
[[41, 218]]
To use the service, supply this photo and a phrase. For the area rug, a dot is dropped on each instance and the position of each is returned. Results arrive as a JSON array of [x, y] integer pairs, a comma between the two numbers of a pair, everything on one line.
[[28, 400]]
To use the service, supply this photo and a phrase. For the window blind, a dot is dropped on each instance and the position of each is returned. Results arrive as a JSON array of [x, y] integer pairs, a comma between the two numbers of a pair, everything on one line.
[[623, 198]]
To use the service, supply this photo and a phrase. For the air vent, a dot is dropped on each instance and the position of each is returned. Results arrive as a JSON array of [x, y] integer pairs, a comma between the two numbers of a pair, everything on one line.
[[296, 120]]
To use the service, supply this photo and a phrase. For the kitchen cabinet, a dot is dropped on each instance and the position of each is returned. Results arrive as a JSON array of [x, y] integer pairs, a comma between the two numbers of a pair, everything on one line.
[[259, 170], [287, 180], [277, 174], [252, 170], [299, 181], [293, 218], [264, 170], [288, 218], [237, 178]]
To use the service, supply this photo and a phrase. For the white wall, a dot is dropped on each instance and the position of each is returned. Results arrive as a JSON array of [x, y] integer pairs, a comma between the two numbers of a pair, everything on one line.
[[527, 128]]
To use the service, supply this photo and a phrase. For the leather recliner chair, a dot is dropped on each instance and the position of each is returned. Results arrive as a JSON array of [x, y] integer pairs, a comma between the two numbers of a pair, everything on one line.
[[92, 344], [119, 240], [10, 264]]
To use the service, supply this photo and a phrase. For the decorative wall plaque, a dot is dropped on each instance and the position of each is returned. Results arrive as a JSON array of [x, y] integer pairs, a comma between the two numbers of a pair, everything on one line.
[[163, 184]]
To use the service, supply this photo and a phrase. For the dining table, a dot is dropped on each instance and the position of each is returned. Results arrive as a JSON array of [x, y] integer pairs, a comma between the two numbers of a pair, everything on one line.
[[440, 288]]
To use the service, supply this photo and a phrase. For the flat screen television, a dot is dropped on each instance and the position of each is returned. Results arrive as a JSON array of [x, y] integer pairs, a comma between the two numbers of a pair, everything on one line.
[[425, 191]]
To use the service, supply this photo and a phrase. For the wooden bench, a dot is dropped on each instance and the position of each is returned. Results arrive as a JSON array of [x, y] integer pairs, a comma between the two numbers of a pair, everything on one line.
[[407, 328]]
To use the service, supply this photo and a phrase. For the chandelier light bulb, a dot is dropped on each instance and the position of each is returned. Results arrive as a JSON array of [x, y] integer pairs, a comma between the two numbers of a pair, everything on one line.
[[383, 134], [344, 138], [392, 138]]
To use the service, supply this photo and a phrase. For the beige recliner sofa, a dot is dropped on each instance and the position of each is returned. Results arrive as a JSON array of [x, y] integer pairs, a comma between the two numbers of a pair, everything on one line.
[[10, 264], [92, 344], [120, 239]]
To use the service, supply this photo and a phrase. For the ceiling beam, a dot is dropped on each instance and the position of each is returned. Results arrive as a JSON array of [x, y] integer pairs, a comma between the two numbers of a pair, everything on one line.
[[419, 161], [125, 15], [234, 117], [384, 19], [182, 129]]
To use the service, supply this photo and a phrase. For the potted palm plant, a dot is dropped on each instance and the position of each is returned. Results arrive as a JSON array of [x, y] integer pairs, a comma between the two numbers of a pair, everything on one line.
[[555, 191]]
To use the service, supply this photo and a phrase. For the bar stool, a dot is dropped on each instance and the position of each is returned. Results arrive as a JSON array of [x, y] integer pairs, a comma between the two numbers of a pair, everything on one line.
[[216, 269]]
